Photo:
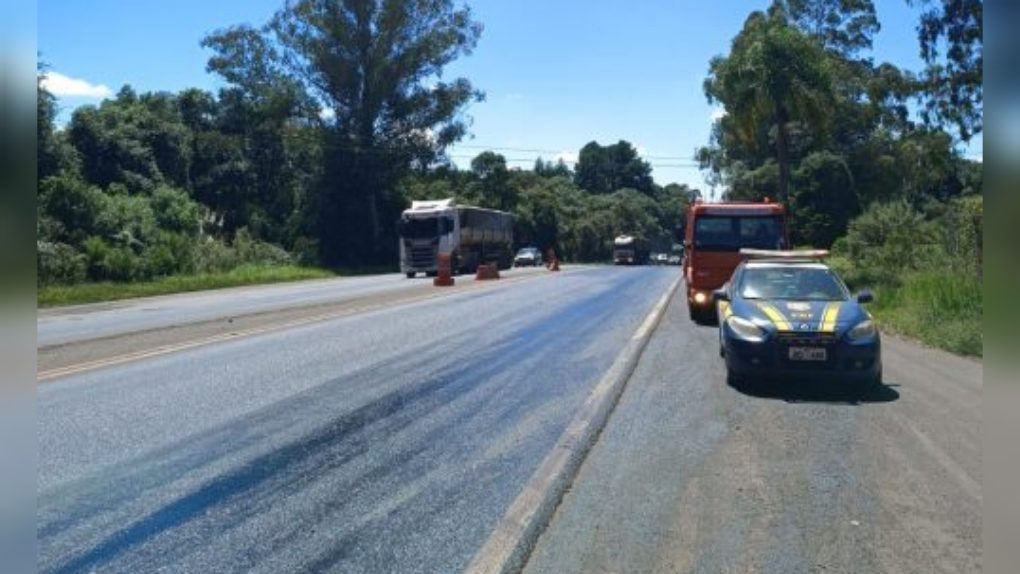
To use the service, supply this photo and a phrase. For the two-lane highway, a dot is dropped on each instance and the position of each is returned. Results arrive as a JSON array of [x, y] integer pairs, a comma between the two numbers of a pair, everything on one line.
[[384, 441]]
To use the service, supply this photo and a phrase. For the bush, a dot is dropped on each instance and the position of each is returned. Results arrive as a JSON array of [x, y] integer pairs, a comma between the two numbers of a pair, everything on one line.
[[176, 212], [258, 252], [212, 255], [72, 207], [129, 218], [888, 240], [108, 263], [925, 272], [172, 253], [59, 264]]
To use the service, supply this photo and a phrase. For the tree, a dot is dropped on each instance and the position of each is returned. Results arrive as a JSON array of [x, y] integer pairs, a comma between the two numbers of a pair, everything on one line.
[[774, 75], [843, 26], [605, 169], [47, 157], [493, 181], [375, 65], [953, 83]]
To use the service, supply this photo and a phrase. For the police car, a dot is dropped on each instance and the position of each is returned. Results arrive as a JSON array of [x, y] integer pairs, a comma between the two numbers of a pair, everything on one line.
[[787, 314]]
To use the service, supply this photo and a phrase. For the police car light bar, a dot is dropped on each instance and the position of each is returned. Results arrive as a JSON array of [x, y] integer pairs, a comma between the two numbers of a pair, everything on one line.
[[802, 254]]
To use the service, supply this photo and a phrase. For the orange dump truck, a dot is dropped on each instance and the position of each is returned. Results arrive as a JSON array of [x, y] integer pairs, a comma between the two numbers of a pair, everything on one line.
[[714, 234]]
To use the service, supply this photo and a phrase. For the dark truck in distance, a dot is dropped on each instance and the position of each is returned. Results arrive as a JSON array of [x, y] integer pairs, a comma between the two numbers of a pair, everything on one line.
[[630, 250], [471, 235]]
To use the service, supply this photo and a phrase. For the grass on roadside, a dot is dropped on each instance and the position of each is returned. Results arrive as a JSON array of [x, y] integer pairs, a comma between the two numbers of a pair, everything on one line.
[[939, 308], [243, 275], [943, 310]]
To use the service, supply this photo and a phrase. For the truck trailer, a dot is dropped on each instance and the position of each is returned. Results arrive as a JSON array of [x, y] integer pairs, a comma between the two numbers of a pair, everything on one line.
[[470, 235]]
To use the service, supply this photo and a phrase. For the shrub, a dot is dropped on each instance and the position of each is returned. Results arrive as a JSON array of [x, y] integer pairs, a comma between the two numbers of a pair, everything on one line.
[[59, 264], [212, 255], [74, 204], [258, 252], [171, 253], [129, 218], [176, 212]]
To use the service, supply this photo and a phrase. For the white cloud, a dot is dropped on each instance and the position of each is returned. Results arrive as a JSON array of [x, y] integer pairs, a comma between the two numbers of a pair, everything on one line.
[[717, 114], [65, 86]]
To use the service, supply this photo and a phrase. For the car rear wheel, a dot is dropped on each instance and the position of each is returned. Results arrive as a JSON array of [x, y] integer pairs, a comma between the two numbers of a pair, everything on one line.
[[410, 274]]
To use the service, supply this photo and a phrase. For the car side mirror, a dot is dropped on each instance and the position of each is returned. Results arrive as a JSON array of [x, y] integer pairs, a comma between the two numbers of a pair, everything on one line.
[[720, 295], [865, 297]]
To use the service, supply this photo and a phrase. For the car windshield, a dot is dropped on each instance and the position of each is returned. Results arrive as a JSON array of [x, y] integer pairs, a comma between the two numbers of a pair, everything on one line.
[[730, 233], [527, 252], [788, 282]]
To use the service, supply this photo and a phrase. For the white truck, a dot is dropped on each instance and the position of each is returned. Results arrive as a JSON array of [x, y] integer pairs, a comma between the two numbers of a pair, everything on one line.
[[470, 235]]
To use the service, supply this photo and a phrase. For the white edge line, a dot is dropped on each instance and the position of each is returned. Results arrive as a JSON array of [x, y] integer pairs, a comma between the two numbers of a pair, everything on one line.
[[510, 543]]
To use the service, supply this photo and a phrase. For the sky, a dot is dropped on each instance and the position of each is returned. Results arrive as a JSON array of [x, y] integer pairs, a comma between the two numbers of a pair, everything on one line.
[[557, 74]]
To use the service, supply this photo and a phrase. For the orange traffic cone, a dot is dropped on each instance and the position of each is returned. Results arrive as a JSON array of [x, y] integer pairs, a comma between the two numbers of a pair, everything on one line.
[[554, 263], [444, 277]]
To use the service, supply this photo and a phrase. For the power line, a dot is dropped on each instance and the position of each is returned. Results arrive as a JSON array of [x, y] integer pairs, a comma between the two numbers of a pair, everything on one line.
[[553, 151]]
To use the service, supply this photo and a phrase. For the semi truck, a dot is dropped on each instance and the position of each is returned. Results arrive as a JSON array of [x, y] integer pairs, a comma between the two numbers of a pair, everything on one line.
[[713, 235], [470, 235], [630, 250]]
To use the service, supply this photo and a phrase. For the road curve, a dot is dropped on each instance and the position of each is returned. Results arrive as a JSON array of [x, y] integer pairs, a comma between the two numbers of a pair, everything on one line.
[[388, 441]]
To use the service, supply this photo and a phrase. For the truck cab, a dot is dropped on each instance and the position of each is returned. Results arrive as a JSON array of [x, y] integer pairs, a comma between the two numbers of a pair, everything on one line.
[[714, 234]]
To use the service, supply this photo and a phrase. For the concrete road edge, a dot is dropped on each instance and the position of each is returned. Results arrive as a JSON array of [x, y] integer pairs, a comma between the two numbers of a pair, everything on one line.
[[511, 542]]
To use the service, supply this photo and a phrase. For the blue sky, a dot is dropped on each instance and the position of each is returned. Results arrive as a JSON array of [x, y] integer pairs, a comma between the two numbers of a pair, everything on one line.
[[557, 74]]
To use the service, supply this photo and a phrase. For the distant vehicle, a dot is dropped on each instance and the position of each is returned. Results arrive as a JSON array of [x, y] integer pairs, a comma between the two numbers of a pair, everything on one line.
[[630, 250], [673, 259], [528, 257], [714, 234], [784, 313], [470, 235], [661, 259]]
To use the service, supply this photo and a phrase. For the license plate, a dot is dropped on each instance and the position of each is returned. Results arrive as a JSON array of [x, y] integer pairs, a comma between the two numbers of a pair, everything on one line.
[[807, 354]]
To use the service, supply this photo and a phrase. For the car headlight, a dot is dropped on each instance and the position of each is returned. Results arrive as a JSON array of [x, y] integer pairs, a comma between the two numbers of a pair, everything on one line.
[[864, 330], [745, 329]]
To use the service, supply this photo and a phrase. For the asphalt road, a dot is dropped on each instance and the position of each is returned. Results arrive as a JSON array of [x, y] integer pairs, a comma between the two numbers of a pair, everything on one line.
[[692, 475], [384, 441], [63, 325]]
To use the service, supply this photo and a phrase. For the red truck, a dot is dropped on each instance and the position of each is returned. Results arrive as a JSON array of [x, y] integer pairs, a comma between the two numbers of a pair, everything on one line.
[[714, 234]]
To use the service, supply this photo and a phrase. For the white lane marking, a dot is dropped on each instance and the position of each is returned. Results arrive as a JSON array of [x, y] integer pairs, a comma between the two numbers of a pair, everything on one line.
[[508, 546]]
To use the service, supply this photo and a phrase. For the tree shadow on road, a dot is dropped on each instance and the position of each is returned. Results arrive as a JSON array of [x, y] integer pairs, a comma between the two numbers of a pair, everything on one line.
[[818, 391]]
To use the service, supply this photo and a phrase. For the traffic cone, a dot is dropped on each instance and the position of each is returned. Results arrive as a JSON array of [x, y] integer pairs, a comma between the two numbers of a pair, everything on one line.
[[554, 262], [444, 277]]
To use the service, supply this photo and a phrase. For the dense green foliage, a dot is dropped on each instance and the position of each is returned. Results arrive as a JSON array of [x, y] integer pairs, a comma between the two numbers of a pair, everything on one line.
[[925, 267], [810, 120]]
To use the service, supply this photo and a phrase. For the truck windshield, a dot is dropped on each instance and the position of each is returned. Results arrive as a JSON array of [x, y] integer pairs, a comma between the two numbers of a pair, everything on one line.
[[731, 233], [414, 228]]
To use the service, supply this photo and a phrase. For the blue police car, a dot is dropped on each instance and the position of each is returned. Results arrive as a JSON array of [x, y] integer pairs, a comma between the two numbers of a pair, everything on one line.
[[786, 314]]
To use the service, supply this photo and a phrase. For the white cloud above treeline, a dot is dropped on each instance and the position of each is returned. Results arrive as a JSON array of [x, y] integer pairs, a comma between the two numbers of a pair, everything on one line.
[[65, 86]]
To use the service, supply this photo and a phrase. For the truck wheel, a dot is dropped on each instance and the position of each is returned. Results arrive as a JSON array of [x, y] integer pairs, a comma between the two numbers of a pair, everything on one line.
[[411, 274], [431, 273]]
